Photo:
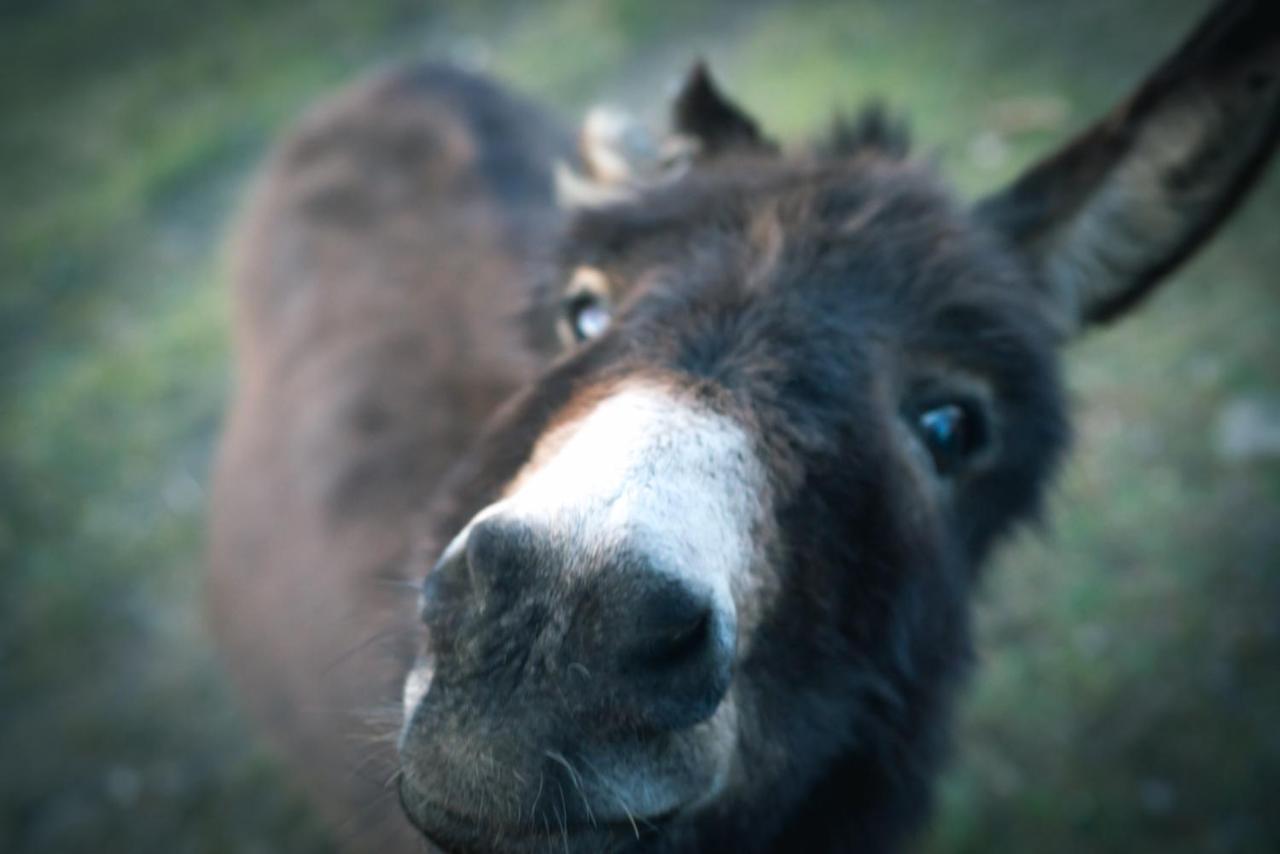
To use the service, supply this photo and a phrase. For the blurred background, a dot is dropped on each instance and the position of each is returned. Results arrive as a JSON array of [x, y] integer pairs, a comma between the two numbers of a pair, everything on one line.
[[1128, 698]]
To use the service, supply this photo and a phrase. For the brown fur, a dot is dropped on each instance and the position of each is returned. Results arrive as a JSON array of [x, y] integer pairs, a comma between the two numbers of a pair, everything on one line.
[[383, 212]]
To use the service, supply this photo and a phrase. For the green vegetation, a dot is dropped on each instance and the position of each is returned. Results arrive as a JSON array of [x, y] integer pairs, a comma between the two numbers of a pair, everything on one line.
[[1129, 688]]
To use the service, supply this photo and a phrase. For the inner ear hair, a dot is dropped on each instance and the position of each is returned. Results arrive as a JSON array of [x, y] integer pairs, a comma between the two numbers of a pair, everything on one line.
[[620, 157], [1117, 209]]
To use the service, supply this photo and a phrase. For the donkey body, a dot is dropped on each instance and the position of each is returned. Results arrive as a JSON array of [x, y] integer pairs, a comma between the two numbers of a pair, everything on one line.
[[377, 270], [699, 470]]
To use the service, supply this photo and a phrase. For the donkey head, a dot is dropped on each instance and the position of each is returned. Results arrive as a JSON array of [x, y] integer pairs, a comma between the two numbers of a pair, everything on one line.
[[706, 580]]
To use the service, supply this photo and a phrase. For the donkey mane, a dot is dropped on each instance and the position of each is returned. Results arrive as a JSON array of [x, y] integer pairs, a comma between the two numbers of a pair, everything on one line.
[[874, 127]]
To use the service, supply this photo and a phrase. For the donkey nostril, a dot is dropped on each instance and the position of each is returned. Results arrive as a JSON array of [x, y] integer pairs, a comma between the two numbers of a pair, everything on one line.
[[672, 627], [445, 585], [473, 565], [672, 650], [497, 548], [485, 544], [682, 644]]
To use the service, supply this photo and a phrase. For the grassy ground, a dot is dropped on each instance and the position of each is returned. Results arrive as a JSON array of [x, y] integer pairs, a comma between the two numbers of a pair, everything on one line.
[[1130, 684]]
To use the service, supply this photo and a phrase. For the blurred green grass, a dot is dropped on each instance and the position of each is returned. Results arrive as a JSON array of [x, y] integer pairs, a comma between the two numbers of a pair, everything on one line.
[[1130, 681]]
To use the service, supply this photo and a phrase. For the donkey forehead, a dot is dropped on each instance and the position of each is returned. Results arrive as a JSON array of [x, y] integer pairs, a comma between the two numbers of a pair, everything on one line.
[[871, 223], [734, 195]]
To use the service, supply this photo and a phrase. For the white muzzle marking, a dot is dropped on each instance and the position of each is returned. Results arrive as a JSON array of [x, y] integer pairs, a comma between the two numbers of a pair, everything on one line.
[[649, 471]]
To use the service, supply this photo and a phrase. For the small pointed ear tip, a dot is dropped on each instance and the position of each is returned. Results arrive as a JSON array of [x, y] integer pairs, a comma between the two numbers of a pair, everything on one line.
[[698, 77]]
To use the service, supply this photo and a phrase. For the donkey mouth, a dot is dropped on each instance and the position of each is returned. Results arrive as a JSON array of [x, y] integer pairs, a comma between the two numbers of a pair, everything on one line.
[[452, 832], [476, 783]]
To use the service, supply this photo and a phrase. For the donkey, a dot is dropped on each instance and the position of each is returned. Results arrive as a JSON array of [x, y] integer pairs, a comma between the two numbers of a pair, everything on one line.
[[699, 465]]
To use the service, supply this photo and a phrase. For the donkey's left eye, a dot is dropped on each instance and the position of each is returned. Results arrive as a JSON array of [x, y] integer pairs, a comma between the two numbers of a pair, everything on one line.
[[588, 316], [953, 432]]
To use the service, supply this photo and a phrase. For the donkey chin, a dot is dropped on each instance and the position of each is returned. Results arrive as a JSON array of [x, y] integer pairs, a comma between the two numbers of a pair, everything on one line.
[[513, 793]]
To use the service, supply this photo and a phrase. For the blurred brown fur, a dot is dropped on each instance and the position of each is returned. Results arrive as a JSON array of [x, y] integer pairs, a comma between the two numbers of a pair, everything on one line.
[[380, 261]]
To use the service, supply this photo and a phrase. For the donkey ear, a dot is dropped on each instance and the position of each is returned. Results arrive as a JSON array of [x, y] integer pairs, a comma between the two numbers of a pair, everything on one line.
[[702, 112], [1114, 211]]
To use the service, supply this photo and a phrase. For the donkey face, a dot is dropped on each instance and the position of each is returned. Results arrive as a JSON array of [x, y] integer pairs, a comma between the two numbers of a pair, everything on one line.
[[705, 582], [750, 507]]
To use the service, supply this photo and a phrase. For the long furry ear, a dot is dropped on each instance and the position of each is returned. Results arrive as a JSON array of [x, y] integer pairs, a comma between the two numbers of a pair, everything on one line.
[[701, 112], [1108, 216]]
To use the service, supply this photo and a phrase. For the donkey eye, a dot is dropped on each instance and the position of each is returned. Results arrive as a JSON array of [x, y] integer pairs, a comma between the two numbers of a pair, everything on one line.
[[588, 316], [953, 432], [587, 307]]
